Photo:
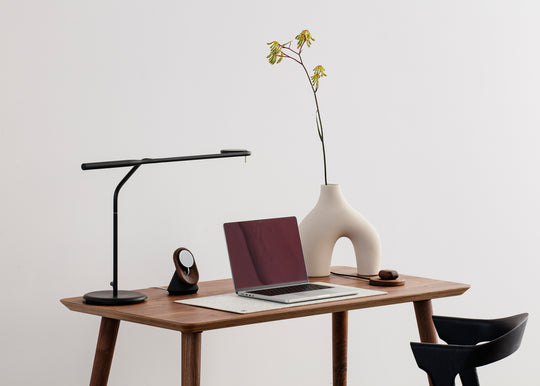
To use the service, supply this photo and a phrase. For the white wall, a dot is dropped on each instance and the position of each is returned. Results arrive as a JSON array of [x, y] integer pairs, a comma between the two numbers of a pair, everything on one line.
[[431, 111]]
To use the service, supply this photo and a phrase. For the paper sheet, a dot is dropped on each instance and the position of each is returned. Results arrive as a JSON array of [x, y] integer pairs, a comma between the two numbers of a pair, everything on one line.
[[242, 305]]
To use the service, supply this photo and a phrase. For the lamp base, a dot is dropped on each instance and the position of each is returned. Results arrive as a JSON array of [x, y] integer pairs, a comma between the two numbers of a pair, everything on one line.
[[106, 298]]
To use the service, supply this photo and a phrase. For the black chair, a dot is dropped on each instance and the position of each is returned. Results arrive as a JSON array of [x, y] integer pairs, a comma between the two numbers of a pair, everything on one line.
[[471, 343]]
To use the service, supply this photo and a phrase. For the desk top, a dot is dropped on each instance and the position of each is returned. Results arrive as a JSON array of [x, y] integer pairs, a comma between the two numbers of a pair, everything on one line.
[[160, 310]]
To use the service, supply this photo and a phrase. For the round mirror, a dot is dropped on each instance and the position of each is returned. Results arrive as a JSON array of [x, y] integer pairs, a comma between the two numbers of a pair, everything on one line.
[[186, 258]]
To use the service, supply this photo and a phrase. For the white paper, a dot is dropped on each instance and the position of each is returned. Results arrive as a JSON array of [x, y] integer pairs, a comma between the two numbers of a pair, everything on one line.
[[241, 305]]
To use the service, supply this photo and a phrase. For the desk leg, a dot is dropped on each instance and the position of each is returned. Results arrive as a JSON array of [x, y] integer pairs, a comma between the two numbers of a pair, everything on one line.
[[191, 359], [339, 347], [108, 331], [424, 311]]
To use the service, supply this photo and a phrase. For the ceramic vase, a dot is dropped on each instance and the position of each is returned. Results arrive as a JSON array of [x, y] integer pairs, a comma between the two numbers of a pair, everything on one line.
[[333, 218]]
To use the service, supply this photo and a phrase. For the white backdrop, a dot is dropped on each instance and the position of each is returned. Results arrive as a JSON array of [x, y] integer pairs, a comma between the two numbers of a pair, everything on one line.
[[431, 116]]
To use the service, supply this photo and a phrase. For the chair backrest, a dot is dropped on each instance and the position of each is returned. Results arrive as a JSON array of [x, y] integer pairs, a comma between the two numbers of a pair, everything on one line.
[[499, 338], [512, 330], [471, 343]]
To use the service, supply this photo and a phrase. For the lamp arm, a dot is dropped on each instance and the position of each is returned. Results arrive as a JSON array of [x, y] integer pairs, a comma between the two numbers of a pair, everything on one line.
[[124, 163]]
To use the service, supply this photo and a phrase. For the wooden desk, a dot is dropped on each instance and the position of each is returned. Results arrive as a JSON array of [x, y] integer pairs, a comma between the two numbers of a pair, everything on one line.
[[159, 310]]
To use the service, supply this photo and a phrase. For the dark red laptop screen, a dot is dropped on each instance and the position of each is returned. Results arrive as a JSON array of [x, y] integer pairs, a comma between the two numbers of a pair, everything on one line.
[[264, 252]]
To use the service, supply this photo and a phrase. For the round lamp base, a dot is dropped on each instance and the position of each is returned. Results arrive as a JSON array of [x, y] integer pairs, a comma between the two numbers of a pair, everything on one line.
[[106, 298]]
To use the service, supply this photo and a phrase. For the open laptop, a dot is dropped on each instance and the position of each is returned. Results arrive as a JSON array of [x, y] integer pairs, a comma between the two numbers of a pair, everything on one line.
[[267, 262]]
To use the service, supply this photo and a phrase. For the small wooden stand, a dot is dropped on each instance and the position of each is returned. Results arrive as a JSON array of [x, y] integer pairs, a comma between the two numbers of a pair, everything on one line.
[[184, 281]]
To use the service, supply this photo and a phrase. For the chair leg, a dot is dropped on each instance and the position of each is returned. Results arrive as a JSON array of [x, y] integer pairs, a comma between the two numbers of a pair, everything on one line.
[[469, 377], [443, 379]]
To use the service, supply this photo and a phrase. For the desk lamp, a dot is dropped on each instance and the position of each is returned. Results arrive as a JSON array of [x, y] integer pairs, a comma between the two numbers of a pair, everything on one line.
[[114, 296]]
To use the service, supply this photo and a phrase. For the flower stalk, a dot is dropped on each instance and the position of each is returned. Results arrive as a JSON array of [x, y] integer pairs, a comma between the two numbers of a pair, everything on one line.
[[278, 52]]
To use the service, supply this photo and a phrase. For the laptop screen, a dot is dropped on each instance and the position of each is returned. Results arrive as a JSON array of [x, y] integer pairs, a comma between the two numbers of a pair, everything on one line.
[[265, 252]]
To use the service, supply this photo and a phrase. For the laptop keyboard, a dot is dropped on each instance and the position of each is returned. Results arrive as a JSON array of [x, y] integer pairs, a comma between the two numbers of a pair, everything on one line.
[[289, 290]]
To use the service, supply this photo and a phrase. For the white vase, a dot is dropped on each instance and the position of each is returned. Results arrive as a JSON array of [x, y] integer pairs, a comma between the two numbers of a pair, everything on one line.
[[333, 218]]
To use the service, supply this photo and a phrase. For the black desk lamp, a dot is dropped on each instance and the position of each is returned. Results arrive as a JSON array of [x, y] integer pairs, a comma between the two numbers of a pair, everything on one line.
[[114, 296]]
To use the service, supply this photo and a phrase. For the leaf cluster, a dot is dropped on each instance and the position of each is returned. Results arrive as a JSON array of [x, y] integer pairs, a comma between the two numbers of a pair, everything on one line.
[[279, 51], [318, 73]]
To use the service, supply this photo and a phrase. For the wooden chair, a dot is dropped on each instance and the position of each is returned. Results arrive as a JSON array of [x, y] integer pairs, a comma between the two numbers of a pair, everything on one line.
[[471, 343]]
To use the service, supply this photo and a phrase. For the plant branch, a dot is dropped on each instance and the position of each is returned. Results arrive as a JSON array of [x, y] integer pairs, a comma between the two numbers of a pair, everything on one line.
[[285, 51]]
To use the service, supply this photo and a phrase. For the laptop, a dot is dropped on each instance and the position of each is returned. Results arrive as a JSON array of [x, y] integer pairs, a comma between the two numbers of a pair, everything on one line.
[[267, 262]]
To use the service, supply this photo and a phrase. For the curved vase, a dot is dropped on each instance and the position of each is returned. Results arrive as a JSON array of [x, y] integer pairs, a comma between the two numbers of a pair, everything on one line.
[[333, 218]]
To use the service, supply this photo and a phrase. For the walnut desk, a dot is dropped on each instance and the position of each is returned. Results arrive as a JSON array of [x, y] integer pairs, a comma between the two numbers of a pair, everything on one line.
[[159, 310]]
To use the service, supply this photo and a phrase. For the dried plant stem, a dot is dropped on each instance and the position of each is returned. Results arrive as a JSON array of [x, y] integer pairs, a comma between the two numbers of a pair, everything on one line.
[[318, 116]]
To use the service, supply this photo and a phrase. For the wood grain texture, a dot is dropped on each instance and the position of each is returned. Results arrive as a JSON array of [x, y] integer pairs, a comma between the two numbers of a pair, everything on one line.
[[426, 329], [191, 359], [159, 309], [193, 277], [340, 329], [108, 331]]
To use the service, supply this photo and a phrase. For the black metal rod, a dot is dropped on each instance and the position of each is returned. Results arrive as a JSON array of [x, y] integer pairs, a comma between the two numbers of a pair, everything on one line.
[[124, 163], [114, 283]]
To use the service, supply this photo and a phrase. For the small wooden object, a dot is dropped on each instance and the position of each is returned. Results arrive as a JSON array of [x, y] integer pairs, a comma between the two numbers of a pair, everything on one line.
[[186, 275], [376, 280], [386, 278]]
